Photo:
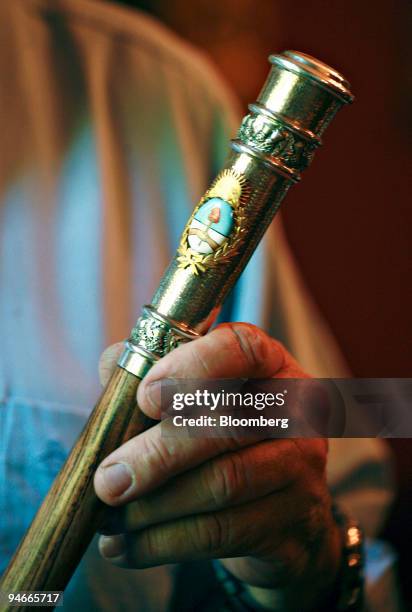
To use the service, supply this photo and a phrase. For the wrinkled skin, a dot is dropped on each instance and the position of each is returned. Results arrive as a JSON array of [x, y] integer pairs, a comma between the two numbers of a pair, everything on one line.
[[261, 506]]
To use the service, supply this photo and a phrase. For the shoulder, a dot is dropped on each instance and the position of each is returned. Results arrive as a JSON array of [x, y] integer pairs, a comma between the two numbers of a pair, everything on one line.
[[123, 25]]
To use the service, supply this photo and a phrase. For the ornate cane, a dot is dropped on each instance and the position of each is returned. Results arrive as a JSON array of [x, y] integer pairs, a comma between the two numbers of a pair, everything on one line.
[[275, 141]]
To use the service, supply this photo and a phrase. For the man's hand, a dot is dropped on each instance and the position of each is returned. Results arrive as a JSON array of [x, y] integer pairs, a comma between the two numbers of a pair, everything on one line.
[[262, 507]]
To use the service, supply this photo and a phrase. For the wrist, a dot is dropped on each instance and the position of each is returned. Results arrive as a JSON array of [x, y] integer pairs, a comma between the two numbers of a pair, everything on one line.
[[340, 590], [331, 580], [316, 583]]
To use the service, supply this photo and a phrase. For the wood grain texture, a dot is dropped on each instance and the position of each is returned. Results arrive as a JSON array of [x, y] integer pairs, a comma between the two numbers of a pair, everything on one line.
[[71, 513]]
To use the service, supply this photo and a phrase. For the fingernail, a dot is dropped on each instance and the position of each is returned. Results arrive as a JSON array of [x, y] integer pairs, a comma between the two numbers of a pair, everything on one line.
[[112, 546], [153, 393], [118, 478]]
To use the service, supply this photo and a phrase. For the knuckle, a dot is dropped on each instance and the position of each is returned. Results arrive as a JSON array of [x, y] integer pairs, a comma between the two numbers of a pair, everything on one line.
[[149, 548], [158, 455], [227, 479], [210, 534]]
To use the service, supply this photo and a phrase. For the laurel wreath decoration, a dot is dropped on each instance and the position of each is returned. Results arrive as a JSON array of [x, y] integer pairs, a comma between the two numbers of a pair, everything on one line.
[[233, 188]]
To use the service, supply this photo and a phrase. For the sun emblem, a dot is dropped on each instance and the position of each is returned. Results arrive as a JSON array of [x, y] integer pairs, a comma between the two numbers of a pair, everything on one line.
[[215, 229], [228, 186]]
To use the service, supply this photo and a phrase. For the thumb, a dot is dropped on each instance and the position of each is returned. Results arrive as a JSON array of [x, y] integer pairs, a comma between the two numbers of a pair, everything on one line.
[[231, 350], [108, 360]]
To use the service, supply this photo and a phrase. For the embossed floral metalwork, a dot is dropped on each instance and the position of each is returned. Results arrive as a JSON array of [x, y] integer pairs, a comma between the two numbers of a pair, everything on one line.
[[155, 336], [275, 139]]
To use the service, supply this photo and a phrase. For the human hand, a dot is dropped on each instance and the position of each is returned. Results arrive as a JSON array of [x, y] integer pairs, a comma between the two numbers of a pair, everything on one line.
[[262, 507]]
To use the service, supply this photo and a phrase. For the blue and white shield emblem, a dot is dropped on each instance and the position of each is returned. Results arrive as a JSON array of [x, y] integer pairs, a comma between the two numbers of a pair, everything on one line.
[[211, 226]]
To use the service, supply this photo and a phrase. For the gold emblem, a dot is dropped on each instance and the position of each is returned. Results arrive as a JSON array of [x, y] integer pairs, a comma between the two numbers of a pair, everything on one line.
[[215, 229]]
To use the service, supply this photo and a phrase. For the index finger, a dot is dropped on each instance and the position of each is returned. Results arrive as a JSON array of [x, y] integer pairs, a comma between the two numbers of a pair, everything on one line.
[[152, 458]]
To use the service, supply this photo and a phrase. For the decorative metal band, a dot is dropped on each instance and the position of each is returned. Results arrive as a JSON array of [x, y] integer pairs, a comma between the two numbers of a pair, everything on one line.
[[153, 336], [157, 334], [275, 164], [269, 135], [289, 123], [136, 360]]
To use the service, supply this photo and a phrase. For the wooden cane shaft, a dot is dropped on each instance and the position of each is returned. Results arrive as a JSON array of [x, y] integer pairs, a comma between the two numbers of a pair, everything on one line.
[[71, 513]]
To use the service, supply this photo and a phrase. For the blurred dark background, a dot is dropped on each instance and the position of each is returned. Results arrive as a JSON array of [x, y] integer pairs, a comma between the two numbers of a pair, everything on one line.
[[350, 220]]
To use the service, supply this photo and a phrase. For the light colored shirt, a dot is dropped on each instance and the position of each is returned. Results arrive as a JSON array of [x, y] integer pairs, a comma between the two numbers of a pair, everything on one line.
[[111, 130]]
